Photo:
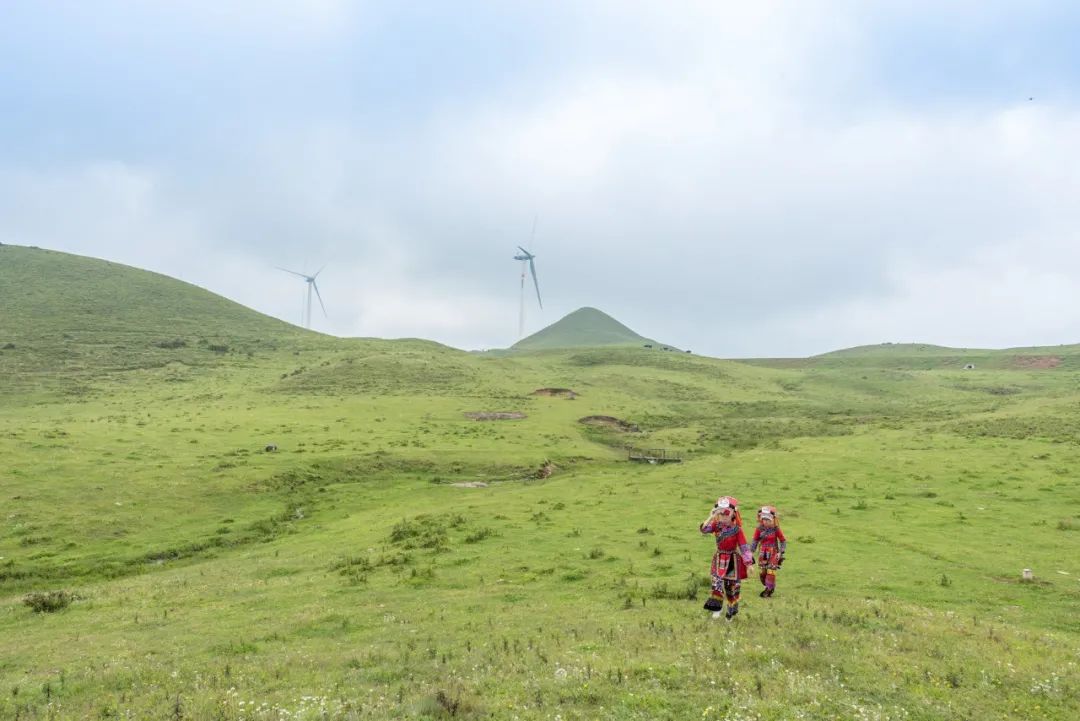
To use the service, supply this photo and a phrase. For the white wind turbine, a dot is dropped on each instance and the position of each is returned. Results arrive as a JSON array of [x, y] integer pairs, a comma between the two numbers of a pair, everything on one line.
[[527, 263], [311, 286]]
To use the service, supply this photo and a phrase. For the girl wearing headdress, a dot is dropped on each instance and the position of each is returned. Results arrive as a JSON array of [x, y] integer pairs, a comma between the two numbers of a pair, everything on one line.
[[770, 541], [731, 558]]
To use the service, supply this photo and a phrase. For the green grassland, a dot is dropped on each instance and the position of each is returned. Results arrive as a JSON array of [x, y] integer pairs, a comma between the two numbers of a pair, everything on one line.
[[396, 559]]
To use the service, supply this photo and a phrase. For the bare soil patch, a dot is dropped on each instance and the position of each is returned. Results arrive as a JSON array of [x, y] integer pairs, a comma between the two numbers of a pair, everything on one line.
[[470, 484], [545, 470], [495, 415], [556, 393], [1036, 362], [610, 422]]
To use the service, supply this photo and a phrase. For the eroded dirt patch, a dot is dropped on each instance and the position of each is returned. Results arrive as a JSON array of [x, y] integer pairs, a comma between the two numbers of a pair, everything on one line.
[[610, 422], [495, 415], [556, 393], [1036, 362]]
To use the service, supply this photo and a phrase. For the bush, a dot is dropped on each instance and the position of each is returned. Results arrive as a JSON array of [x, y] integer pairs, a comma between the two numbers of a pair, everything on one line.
[[687, 592], [447, 704], [48, 601], [405, 530], [479, 535], [172, 344], [422, 533]]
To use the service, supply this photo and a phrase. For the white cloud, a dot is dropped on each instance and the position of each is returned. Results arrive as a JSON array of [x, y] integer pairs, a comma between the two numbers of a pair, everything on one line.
[[997, 300], [723, 177], [105, 209]]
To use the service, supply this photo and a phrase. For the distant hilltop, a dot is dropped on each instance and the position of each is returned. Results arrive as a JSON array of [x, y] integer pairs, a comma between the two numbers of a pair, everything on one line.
[[79, 298], [585, 327]]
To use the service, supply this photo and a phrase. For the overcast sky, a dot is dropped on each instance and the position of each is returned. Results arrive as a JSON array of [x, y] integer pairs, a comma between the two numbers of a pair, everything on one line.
[[738, 178]]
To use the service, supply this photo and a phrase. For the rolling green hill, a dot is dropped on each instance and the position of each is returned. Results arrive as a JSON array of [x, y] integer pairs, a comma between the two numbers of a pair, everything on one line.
[[920, 356], [437, 534], [67, 319], [585, 327], [47, 293], [892, 349]]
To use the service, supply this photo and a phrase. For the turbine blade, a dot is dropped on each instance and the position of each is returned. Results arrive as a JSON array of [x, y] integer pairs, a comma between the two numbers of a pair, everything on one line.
[[316, 287], [320, 270], [290, 271], [536, 283], [529, 256]]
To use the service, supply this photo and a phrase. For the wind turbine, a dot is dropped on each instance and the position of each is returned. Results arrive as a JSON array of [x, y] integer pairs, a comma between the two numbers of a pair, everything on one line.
[[527, 259], [311, 285]]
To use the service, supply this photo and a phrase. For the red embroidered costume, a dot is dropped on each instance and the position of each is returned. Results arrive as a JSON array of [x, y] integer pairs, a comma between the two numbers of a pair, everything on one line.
[[731, 558], [769, 541]]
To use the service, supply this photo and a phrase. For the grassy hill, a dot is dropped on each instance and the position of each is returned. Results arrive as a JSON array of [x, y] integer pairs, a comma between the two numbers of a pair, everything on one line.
[[585, 327], [67, 319], [921, 356], [396, 558], [48, 293]]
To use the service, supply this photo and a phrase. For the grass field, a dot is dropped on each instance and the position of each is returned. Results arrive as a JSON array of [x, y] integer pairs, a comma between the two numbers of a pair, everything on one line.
[[362, 570]]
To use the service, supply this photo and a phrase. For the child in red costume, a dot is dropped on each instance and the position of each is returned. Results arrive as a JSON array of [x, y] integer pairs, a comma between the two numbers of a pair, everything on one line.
[[770, 540], [731, 558]]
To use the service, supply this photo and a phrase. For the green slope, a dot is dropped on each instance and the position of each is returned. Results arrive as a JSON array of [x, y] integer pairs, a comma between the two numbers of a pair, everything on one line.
[[46, 293], [922, 356], [346, 576], [359, 572], [64, 319], [891, 349], [584, 327]]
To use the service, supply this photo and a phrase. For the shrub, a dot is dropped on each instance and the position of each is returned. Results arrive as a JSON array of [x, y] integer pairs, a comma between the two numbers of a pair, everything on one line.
[[48, 601], [347, 563], [172, 344], [420, 533], [447, 704], [405, 530], [479, 535]]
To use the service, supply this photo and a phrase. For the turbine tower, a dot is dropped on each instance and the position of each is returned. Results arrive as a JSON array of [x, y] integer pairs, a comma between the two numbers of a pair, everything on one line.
[[527, 263], [311, 286]]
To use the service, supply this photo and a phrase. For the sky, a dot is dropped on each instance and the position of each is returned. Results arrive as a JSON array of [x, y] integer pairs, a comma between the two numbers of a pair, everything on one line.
[[740, 179]]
